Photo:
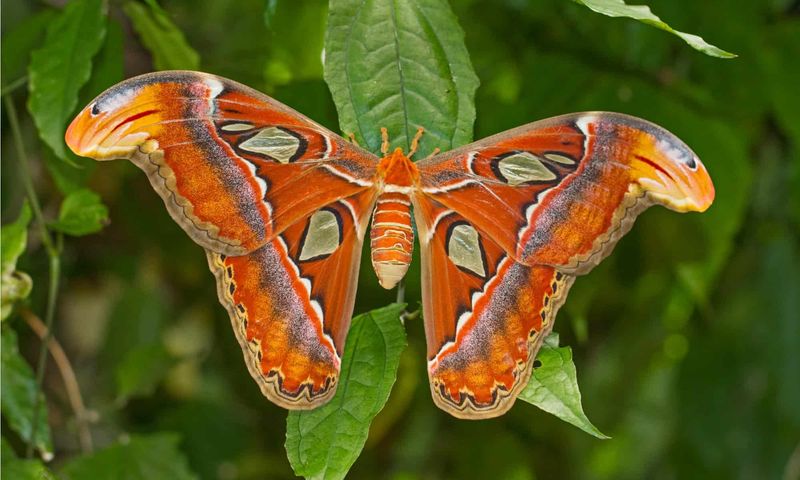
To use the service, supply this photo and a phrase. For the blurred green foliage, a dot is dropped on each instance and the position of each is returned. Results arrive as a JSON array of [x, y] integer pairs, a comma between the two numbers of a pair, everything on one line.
[[686, 340]]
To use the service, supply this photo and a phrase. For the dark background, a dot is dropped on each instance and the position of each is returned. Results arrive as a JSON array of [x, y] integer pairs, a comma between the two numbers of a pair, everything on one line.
[[686, 340]]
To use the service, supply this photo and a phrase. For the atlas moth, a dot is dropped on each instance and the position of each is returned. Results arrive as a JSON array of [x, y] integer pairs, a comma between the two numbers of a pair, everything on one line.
[[282, 206]]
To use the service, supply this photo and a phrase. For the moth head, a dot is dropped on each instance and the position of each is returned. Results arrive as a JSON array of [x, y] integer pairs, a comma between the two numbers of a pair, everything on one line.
[[666, 168]]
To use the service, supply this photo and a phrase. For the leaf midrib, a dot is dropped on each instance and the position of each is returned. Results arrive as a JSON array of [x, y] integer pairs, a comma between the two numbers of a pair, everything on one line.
[[349, 83], [403, 101], [343, 396]]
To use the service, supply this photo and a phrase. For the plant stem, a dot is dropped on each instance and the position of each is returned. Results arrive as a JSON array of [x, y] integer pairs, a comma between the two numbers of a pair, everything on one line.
[[401, 291], [68, 376], [54, 254], [14, 85], [27, 181], [52, 297]]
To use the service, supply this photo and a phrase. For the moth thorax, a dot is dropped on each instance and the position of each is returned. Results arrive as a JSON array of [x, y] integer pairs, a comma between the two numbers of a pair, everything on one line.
[[391, 238]]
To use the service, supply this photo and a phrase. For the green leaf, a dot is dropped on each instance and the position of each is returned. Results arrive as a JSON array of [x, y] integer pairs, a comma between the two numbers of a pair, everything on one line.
[[70, 173], [553, 387], [20, 469], [82, 213], [325, 442], [18, 394], [618, 8], [62, 66], [108, 70], [13, 240], [136, 458], [27, 470], [141, 369], [20, 41], [109, 67], [400, 65], [161, 37]]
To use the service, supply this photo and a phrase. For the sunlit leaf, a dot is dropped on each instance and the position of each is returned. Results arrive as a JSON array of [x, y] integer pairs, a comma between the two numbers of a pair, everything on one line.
[[325, 442], [82, 213], [136, 458], [13, 239], [400, 65], [553, 387], [403, 392], [161, 37], [62, 66], [17, 397], [107, 70], [618, 8], [108, 65]]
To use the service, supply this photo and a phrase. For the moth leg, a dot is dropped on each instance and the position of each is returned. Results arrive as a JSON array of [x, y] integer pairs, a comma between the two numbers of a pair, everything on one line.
[[384, 141], [352, 138], [415, 142]]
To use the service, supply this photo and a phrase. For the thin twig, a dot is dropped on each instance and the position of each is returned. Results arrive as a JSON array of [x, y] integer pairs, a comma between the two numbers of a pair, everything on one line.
[[69, 378], [14, 85], [27, 181], [401, 291], [41, 366], [54, 254]]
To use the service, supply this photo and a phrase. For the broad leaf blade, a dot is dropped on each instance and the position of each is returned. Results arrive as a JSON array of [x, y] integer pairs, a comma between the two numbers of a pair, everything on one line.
[[400, 65], [553, 387], [13, 240], [325, 442], [62, 66], [108, 66], [21, 469], [18, 394], [161, 37], [107, 70], [618, 8], [136, 458], [82, 213]]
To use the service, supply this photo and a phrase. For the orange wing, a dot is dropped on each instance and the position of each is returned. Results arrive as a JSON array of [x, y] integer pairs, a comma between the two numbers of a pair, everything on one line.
[[290, 301], [506, 223], [485, 314], [233, 166], [562, 191], [280, 204]]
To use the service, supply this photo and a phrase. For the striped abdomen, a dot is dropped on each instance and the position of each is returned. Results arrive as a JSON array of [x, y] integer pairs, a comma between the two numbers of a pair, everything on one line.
[[391, 238]]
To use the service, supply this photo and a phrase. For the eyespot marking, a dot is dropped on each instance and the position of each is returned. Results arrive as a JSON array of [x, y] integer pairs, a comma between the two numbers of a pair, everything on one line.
[[274, 143], [522, 167], [237, 127], [464, 248], [322, 236], [559, 158]]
